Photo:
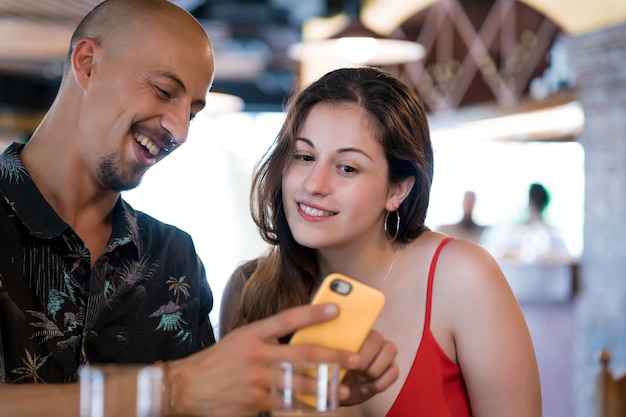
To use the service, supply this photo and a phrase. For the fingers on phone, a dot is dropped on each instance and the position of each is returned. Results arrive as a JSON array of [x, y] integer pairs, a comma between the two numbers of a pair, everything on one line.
[[292, 319], [377, 357], [375, 379]]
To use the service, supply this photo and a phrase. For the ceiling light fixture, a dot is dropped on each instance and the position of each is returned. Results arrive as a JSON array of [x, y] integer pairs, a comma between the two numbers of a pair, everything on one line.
[[358, 44], [355, 43]]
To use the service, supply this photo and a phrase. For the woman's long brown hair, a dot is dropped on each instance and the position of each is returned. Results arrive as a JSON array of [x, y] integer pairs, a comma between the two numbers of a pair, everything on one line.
[[288, 274]]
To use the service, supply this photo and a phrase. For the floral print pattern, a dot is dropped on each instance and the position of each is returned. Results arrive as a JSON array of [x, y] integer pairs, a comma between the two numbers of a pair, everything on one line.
[[144, 299]]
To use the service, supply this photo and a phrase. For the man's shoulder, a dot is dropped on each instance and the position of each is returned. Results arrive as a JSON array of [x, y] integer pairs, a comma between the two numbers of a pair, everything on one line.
[[148, 224]]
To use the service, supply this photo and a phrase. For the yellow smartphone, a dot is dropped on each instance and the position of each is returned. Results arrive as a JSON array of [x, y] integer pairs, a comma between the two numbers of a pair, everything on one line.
[[359, 307]]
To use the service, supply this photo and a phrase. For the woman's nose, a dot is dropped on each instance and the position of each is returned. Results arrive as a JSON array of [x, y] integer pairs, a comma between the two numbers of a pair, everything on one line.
[[318, 180]]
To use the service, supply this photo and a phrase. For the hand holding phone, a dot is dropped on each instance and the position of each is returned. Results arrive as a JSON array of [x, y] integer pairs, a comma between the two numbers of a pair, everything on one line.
[[359, 307]]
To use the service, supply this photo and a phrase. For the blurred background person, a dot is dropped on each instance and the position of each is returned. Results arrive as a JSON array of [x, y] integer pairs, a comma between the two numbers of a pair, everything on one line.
[[534, 240], [466, 228]]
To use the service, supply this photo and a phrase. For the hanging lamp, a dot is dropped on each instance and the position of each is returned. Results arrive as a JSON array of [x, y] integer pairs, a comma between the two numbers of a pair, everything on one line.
[[357, 44]]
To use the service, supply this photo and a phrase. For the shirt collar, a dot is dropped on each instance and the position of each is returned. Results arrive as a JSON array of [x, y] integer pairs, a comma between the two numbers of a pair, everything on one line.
[[125, 228], [22, 195]]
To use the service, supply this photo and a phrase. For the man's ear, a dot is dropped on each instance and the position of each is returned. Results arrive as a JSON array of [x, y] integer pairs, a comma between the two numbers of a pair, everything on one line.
[[84, 60], [398, 192]]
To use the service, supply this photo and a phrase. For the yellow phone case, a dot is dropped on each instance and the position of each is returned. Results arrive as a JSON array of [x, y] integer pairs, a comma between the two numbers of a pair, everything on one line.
[[359, 309]]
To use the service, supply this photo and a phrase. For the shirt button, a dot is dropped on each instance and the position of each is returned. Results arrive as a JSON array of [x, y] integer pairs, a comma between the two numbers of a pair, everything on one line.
[[81, 271]]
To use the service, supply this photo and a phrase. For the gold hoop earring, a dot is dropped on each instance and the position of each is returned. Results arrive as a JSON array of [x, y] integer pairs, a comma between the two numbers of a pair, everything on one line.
[[397, 230]]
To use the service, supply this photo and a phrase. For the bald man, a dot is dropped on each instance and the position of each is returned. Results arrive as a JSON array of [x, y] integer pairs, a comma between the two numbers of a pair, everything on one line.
[[84, 278]]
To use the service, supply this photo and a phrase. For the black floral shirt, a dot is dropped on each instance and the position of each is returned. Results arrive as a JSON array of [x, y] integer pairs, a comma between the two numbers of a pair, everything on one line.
[[145, 299]]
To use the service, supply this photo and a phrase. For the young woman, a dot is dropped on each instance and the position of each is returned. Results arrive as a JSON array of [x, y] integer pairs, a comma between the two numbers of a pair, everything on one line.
[[345, 188]]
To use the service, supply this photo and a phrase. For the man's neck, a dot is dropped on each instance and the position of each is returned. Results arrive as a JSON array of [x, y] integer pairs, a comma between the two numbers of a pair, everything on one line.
[[74, 195]]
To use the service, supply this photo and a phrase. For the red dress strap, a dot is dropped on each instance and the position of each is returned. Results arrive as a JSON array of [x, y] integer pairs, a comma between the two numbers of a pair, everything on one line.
[[434, 385], [431, 279]]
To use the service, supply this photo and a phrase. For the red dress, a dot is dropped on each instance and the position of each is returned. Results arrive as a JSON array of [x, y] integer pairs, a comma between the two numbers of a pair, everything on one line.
[[434, 386]]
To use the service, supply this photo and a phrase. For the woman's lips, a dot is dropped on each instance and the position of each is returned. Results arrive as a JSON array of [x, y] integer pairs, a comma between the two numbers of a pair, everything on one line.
[[314, 211]]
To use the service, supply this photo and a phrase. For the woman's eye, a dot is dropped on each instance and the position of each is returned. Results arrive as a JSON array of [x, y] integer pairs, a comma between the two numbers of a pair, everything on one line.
[[303, 157], [347, 169]]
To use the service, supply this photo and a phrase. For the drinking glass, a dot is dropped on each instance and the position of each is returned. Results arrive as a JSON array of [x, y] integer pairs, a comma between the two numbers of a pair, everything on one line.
[[305, 389], [120, 390]]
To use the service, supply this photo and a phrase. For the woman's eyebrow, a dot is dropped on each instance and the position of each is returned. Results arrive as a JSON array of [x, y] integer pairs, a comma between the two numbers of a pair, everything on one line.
[[305, 140], [357, 150], [339, 151]]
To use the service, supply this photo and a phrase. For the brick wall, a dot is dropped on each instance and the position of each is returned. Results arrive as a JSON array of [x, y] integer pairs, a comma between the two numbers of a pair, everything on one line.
[[599, 60]]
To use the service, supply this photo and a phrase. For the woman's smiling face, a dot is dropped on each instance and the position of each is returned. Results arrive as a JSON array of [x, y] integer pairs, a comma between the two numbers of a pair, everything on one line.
[[335, 189]]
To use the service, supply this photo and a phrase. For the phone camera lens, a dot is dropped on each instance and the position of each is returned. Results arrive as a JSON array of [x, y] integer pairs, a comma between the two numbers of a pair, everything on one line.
[[340, 287]]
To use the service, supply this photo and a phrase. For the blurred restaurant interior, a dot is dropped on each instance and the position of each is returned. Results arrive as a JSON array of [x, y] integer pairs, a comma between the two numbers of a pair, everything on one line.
[[518, 92]]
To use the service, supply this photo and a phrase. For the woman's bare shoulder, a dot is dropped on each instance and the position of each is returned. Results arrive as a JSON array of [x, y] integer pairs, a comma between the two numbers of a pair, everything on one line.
[[468, 276]]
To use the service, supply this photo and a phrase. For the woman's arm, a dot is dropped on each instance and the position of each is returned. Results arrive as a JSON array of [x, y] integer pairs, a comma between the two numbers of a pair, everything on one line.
[[493, 345], [231, 295]]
